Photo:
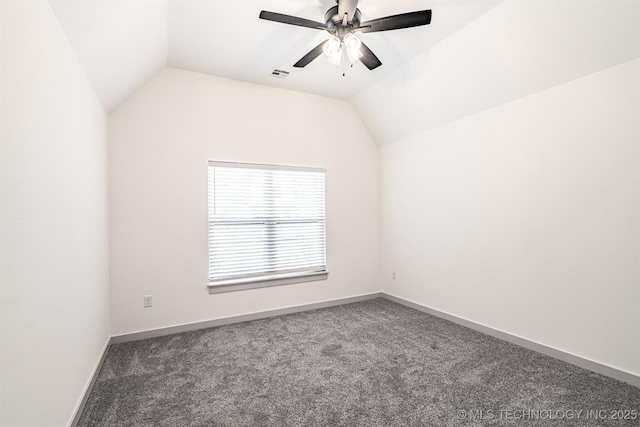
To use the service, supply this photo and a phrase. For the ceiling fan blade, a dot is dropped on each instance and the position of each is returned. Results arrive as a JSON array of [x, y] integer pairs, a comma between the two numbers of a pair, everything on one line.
[[313, 54], [291, 20], [368, 58], [348, 7], [396, 22]]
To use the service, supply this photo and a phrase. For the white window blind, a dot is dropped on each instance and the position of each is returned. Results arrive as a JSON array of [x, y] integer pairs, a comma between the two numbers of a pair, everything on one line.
[[265, 222]]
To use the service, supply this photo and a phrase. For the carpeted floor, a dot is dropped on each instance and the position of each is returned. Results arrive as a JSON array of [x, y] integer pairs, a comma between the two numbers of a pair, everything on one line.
[[372, 363]]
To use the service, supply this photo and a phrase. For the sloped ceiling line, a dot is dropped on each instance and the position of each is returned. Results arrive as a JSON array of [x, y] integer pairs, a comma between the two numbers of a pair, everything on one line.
[[475, 54], [514, 50], [121, 44]]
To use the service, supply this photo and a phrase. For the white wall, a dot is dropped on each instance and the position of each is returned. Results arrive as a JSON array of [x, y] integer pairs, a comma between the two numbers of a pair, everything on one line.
[[525, 218], [54, 278], [160, 141]]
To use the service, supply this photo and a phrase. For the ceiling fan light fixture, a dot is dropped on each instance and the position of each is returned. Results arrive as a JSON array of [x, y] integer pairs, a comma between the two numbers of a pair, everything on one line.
[[341, 22], [335, 57], [352, 45], [354, 55], [333, 50], [332, 46], [351, 42]]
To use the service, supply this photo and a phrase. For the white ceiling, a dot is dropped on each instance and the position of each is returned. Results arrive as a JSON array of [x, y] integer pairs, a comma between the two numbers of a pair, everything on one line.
[[514, 50], [122, 44]]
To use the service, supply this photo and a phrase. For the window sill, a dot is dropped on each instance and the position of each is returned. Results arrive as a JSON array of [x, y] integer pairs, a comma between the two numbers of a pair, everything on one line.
[[233, 285]]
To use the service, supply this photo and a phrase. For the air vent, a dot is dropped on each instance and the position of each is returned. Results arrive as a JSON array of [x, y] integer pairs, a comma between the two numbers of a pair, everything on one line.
[[281, 74]]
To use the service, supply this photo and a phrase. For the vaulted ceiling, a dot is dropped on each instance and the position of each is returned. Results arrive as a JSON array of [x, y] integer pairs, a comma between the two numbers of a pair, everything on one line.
[[121, 44], [516, 49], [475, 54]]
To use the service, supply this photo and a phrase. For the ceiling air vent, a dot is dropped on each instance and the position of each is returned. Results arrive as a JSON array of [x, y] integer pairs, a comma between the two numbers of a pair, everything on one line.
[[281, 74]]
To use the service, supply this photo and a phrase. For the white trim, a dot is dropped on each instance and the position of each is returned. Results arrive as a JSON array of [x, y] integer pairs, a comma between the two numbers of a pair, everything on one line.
[[573, 359], [243, 165], [245, 283], [136, 336], [77, 411], [564, 356]]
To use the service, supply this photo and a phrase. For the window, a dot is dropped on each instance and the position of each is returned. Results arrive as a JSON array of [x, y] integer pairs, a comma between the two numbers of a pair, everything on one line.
[[266, 225]]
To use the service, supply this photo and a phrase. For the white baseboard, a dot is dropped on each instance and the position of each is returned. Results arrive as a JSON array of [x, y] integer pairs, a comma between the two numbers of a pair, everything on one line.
[[75, 417], [573, 359], [136, 336]]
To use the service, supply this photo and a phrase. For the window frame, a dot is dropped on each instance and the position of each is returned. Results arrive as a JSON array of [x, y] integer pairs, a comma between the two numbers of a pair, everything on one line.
[[255, 281]]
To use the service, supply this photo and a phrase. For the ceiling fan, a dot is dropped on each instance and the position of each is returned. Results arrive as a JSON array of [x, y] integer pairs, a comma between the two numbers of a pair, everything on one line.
[[342, 21]]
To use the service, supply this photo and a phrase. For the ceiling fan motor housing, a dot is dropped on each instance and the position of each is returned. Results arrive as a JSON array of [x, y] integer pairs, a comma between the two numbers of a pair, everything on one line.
[[341, 22], [334, 22]]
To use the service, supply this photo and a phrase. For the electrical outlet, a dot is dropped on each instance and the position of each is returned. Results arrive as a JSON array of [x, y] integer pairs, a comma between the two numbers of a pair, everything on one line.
[[393, 274], [148, 301]]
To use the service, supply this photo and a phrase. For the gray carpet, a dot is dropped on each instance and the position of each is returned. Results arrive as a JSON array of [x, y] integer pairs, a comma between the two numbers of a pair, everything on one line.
[[372, 363]]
